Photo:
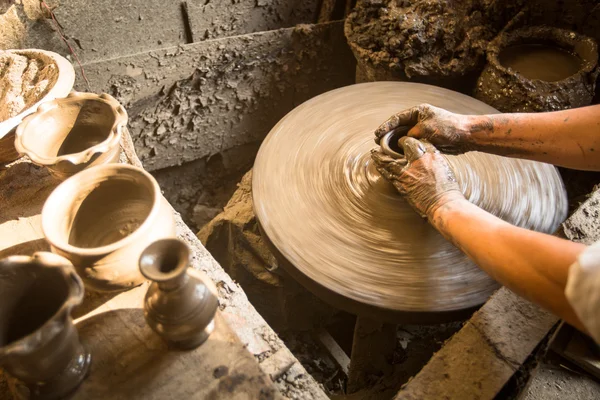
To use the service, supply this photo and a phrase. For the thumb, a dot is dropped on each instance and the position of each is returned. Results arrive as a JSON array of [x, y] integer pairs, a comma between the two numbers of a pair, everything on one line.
[[413, 149]]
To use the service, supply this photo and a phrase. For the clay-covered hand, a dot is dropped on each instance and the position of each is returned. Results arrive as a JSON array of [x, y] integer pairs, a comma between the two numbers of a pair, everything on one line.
[[448, 131], [422, 176]]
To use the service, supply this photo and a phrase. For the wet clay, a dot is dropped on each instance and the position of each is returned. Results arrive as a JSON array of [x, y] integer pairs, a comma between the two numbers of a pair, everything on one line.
[[539, 61], [345, 233], [102, 219], [539, 69], [71, 134], [24, 79], [431, 41]]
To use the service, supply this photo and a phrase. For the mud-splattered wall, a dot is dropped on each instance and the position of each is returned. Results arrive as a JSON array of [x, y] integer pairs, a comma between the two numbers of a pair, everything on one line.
[[192, 101]]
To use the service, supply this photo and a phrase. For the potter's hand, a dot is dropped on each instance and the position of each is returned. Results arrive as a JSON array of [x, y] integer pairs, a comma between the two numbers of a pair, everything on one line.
[[422, 176], [448, 131]]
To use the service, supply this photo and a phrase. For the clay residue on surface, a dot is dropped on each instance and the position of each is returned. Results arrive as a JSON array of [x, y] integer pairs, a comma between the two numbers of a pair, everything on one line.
[[426, 38], [23, 82], [508, 91]]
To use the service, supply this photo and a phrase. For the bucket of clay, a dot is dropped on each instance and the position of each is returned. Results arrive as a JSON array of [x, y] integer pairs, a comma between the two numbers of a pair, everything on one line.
[[539, 69], [388, 50], [28, 78]]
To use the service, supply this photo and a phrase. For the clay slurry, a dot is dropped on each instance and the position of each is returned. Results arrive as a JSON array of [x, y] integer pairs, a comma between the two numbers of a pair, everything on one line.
[[538, 61]]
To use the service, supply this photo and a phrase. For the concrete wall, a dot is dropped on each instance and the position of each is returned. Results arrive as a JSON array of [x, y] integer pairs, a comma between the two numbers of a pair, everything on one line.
[[195, 100]]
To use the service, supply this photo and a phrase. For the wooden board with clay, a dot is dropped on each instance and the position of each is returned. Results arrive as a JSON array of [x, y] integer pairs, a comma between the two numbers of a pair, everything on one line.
[[129, 361]]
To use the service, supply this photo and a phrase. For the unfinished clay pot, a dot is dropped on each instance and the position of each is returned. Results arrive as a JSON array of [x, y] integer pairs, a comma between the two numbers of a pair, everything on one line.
[[389, 145], [39, 344], [181, 302], [71, 134], [102, 219], [46, 75], [539, 69]]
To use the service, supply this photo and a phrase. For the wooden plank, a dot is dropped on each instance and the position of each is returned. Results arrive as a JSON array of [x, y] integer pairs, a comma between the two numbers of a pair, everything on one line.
[[478, 360]]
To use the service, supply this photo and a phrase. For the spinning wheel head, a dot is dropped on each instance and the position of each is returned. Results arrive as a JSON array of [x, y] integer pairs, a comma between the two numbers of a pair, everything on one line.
[[345, 233]]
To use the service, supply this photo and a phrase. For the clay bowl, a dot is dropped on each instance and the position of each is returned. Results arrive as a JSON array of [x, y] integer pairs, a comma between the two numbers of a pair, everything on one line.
[[59, 88], [539, 69], [71, 134], [39, 344], [102, 218]]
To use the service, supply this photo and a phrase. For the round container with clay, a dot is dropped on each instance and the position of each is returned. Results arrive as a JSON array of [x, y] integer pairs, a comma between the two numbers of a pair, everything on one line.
[[539, 69], [45, 75], [102, 218]]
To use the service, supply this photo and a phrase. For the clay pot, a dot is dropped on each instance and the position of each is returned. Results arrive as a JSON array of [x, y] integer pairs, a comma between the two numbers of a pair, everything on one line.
[[60, 88], [181, 302], [516, 78], [389, 145], [71, 134], [102, 219], [39, 344]]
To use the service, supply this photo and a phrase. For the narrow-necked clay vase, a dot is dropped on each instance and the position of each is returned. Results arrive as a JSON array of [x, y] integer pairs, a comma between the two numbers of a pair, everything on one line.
[[71, 134], [41, 76], [39, 344], [539, 69], [181, 302], [102, 218]]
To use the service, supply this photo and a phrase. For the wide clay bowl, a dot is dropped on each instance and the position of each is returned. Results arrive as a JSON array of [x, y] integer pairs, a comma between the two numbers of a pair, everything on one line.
[[102, 218], [39, 344], [539, 69], [53, 76], [71, 134]]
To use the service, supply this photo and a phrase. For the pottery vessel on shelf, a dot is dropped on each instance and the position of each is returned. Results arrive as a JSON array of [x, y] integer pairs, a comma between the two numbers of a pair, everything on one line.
[[181, 302], [539, 69], [102, 218], [57, 88], [39, 344], [71, 134]]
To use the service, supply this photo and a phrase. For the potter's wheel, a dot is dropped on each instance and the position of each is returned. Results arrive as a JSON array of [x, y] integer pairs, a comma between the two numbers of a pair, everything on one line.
[[343, 231]]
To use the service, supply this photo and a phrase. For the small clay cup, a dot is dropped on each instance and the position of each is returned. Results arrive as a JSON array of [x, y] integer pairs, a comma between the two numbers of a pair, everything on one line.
[[71, 134], [60, 88], [389, 144], [39, 344], [181, 302], [102, 218], [509, 91]]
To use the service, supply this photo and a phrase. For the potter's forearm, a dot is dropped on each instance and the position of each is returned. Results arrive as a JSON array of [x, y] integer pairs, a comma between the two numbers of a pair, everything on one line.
[[569, 138], [532, 264]]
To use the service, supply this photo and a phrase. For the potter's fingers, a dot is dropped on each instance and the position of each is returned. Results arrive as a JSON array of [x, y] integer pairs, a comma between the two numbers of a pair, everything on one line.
[[413, 148], [404, 119], [380, 158], [429, 148]]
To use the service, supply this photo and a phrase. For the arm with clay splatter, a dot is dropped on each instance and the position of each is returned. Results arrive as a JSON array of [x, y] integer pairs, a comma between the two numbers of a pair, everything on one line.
[[569, 138], [532, 264]]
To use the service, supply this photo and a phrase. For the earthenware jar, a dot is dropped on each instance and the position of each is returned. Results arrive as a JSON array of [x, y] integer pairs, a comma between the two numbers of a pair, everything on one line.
[[71, 134], [55, 72], [102, 218], [539, 69], [39, 344], [181, 302]]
